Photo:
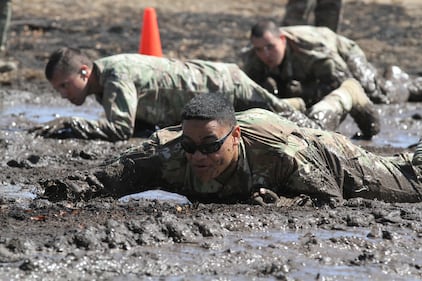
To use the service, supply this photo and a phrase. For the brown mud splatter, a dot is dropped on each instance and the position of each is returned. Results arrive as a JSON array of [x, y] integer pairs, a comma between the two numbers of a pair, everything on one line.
[[105, 239]]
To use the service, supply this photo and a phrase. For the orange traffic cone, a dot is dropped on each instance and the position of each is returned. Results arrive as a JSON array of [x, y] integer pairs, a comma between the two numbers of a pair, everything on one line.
[[150, 43]]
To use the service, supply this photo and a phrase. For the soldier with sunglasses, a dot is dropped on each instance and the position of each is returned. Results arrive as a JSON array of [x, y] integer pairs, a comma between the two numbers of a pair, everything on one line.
[[218, 155]]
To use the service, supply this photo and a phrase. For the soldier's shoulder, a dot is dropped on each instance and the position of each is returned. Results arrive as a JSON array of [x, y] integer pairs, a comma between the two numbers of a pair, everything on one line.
[[257, 116]]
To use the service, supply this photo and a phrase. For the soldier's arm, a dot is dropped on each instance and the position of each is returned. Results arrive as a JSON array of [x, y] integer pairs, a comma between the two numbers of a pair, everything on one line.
[[157, 163], [328, 75], [253, 67], [314, 171], [120, 103]]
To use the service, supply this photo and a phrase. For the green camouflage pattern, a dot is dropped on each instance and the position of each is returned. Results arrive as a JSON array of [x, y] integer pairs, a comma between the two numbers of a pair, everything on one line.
[[316, 58], [278, 155], [153, 90]]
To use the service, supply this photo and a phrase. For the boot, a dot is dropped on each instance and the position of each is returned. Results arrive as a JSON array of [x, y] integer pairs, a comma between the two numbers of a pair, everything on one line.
[[362, 111], [417, 157], [348, 98]]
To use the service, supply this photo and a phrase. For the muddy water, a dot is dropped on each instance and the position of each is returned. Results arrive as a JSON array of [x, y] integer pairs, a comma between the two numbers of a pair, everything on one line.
[[401, 124], [144, 238], [33, 110], [243, 244]]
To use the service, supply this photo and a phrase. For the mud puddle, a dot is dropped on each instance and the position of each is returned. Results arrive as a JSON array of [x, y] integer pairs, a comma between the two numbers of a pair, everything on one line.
[[401, 124], [36, 113], [271, 254], [40, 114], [16, 194]]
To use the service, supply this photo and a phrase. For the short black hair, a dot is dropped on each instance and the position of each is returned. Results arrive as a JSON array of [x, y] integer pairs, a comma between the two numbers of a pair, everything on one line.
[[210, 106], [261, 27], [67, 60]]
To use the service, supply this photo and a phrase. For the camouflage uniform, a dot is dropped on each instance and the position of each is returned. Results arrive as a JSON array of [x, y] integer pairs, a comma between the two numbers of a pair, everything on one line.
[[151, 90], [325, 12], [280, 156], [316, 61]]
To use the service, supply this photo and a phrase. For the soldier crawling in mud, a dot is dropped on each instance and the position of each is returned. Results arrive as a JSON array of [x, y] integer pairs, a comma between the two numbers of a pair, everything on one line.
[[139, 92], [218, 155], [309, 62]]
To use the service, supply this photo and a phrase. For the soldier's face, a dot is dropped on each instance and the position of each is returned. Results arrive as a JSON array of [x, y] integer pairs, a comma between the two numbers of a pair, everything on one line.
[[70, 86], [201, 138], [269, 48]]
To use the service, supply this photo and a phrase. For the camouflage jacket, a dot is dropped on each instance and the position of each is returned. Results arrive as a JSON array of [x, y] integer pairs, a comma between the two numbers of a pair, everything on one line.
[[153, 90], [279, 155], [315, 56]]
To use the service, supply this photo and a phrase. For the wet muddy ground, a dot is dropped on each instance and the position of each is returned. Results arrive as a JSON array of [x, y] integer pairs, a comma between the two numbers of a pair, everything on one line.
[[163, 238]]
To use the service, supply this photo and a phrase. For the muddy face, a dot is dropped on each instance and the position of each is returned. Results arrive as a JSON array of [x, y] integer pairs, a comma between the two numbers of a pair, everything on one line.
[[220, 141]]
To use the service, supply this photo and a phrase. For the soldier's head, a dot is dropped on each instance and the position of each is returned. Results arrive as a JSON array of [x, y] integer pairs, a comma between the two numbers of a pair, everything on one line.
[[268, 42], [68, 71], [211, 135]]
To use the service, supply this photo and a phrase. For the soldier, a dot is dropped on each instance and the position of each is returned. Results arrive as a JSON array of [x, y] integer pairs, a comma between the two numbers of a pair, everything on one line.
[[219, 156], [324, 12], [309, 62], [139, 92]]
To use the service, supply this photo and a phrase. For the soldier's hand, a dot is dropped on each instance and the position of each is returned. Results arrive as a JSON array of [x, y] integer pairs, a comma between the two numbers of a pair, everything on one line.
[[75, 187], [266, 197], [294, 88], [57, 128]]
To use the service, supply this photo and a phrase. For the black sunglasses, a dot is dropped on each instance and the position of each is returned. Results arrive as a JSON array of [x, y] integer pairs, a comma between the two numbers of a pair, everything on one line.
[[206, 148]]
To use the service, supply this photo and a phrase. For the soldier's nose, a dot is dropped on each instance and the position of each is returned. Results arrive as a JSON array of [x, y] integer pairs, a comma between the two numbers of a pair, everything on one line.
[[198, 155]]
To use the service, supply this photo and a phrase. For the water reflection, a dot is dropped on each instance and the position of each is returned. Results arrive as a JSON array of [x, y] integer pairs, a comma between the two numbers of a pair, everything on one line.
[[40, 114]]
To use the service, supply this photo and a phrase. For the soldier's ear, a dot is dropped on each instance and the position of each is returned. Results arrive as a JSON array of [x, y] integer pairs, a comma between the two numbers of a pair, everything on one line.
[[236, 134], [84, 71]]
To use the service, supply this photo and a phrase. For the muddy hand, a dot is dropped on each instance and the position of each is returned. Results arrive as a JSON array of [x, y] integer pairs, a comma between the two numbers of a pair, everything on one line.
[[52, 129], [266, 197], [294, 88]]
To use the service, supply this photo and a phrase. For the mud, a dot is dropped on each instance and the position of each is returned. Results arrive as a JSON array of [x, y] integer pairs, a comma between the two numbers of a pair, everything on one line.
[[162, 236]]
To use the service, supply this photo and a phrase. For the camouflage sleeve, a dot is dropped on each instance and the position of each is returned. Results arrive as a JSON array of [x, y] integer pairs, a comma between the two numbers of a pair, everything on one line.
[[348, 48], [290, 156], [159, 161], [95, 129], [329, 62], [253, 67], [327, 75], [120, 104]]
